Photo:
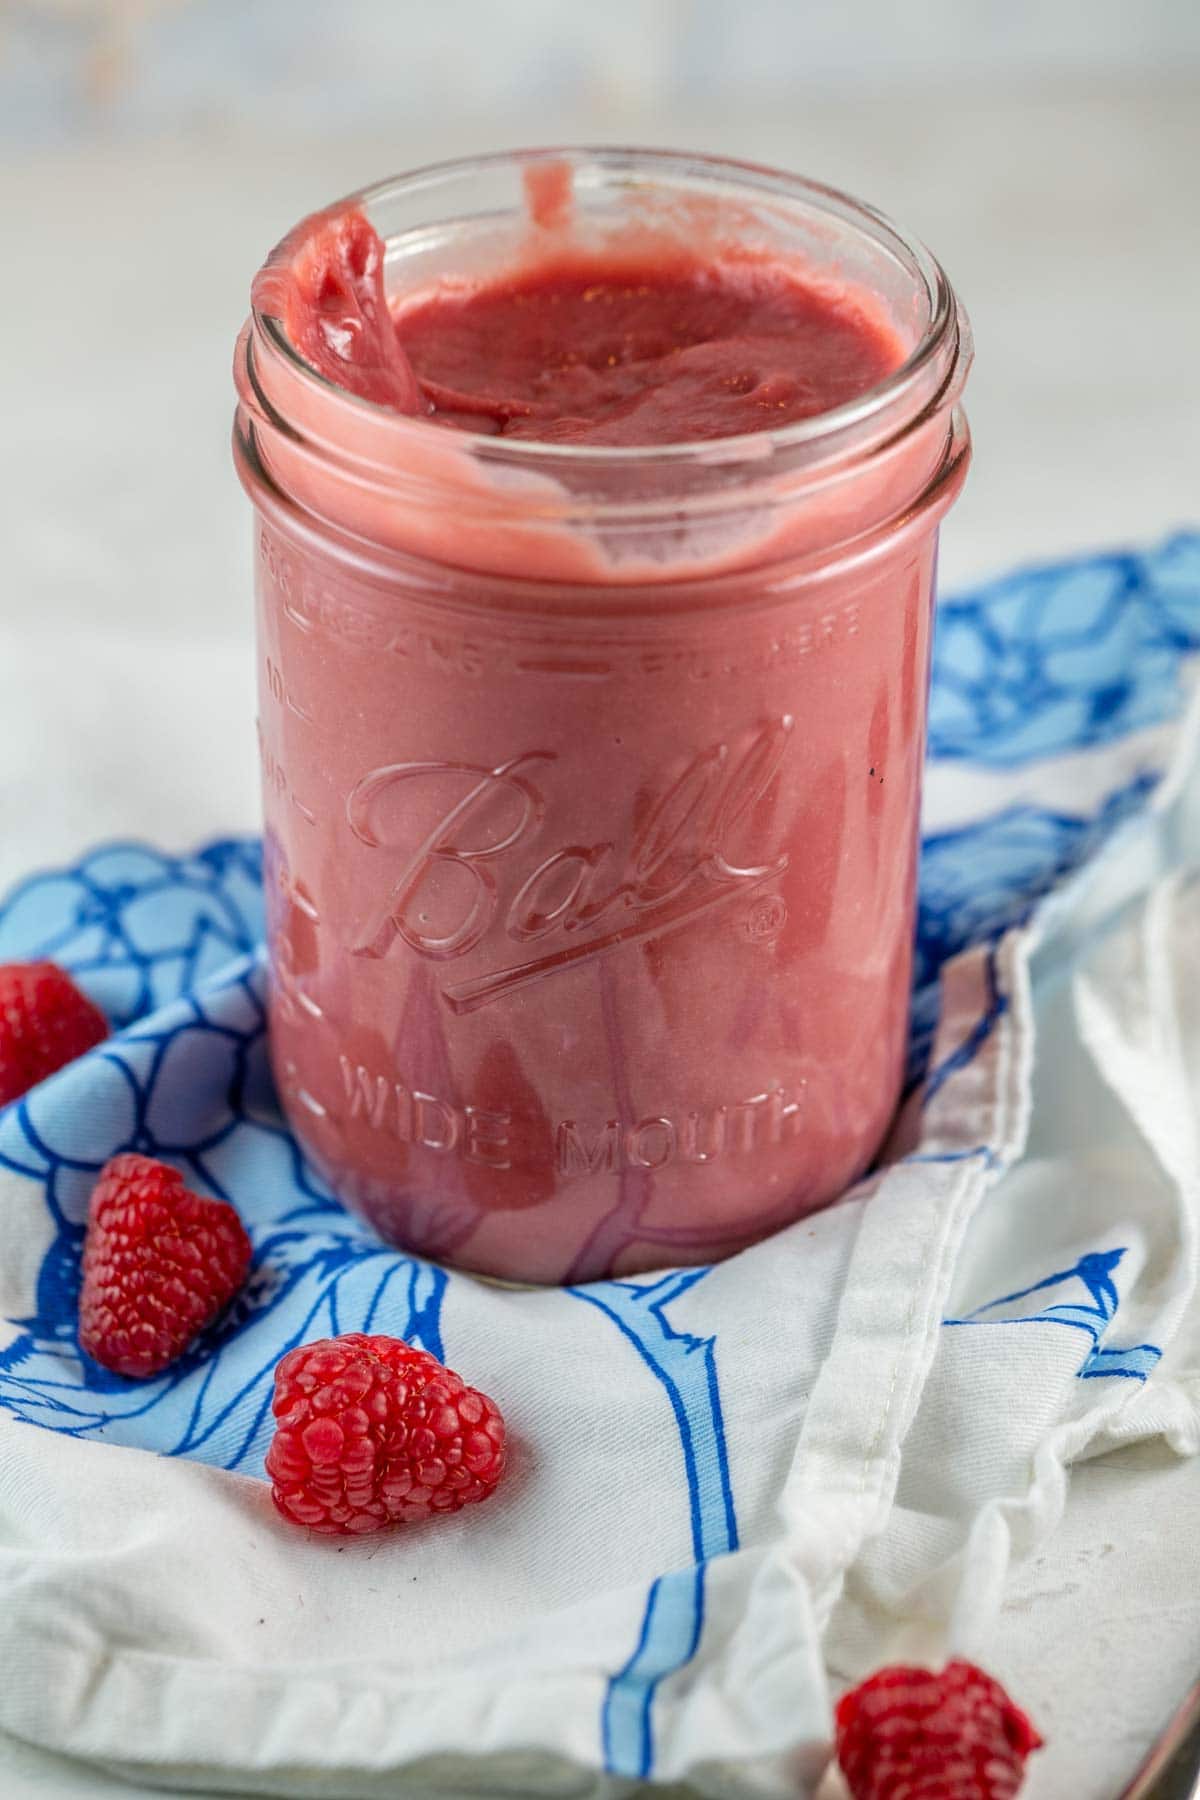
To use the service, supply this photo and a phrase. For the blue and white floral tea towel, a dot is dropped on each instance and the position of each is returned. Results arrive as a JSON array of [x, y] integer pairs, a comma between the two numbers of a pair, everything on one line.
[[734, 1488]]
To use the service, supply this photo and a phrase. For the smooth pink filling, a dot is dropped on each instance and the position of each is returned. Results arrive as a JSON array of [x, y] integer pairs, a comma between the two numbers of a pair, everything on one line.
[[584, 348]]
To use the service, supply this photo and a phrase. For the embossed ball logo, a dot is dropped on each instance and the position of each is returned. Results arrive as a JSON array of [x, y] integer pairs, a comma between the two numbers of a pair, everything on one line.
[[470, 843]]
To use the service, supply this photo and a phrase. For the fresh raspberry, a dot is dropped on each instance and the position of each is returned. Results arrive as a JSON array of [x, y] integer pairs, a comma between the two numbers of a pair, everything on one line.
[[911, 1734], [372, 1432], [159, 1264], [45, 1022]]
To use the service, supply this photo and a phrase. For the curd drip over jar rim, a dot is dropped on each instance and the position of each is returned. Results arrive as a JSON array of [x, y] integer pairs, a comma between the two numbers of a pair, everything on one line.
[[903, 437]]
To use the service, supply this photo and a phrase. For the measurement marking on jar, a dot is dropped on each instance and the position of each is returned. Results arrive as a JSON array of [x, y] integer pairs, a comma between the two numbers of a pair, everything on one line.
[[296, 996], [287, 965], [272, 770], [300, 1093], [294, 891], [578, 671], [303, 901], [275, 777], [290, 992], [279, 691], [300, 620]]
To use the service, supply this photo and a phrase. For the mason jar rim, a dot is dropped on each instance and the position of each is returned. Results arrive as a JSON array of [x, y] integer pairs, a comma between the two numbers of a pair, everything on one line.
[[894, 399]]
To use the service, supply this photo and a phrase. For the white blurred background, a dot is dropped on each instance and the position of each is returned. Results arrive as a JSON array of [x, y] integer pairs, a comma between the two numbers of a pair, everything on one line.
[[73, 68]]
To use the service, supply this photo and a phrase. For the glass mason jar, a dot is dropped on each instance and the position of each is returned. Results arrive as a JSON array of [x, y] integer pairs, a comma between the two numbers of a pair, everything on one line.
[[592, 775]]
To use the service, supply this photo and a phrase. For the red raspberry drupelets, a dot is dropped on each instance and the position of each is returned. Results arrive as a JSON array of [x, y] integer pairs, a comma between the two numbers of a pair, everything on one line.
[[373, 1433], [159, 1264], [912, 1734], [45, 1023]]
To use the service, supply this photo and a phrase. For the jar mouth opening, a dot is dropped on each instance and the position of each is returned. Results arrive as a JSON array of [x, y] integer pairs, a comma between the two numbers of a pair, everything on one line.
[[932, 371]]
